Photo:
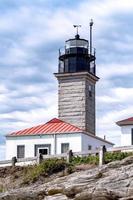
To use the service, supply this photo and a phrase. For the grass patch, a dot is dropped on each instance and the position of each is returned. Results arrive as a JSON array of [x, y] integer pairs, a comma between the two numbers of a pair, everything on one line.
[[2, 189]]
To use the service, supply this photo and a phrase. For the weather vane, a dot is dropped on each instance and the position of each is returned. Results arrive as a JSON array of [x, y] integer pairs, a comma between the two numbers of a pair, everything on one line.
[[77, 27], [91, 22]]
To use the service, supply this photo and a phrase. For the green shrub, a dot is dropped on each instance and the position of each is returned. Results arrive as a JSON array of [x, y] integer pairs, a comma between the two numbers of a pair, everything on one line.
[[47, 167], [85, 160], [50, 166], [94, 160], [113, 156]]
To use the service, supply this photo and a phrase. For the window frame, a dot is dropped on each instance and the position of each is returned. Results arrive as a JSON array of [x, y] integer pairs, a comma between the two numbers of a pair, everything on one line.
[[44, 148], [18, 151], [89, 147]]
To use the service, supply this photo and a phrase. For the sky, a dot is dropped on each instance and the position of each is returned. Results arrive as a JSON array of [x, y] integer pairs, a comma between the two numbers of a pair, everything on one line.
[[31, 32]]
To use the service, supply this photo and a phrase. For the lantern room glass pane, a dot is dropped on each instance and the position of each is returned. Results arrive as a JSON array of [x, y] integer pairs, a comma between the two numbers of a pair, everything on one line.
[[76, 43], [72, 64]]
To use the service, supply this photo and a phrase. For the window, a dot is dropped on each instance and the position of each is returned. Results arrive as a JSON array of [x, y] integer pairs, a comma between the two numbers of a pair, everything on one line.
[[89, 147], [81, 64], [66, 65], [61, 66], [92, 67], [90, 90], [20, 151], [132, 136], [64, 147], [72, 64]]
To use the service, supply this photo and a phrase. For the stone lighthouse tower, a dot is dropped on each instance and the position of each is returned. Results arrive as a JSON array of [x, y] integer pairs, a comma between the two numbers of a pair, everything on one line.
[[76, 83]]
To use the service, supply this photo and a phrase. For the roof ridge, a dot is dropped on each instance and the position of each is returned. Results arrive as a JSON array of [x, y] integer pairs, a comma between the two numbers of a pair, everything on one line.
[[60, 120], [54, 120], [72, 125]]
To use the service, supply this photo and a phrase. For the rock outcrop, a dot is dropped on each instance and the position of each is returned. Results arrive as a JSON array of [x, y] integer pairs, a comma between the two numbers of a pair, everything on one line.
[[113, 181]]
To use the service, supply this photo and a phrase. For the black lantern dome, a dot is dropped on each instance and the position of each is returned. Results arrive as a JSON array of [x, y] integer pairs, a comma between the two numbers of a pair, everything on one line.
[[76, 56]]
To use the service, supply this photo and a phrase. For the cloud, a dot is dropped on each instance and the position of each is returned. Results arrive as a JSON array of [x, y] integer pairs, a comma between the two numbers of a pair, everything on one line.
[[115, 70], [117, 95]]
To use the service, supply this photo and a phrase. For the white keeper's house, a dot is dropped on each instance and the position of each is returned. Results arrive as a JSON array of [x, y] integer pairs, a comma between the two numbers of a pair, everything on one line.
[[126, 131], [75, 127], [54, 137]]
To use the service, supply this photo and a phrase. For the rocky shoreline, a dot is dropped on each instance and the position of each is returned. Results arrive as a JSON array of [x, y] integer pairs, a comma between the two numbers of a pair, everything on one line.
[[113, 181]]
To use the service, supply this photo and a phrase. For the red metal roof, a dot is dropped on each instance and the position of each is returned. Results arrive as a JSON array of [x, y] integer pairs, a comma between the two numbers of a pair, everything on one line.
[[128, 121], [51, 127]]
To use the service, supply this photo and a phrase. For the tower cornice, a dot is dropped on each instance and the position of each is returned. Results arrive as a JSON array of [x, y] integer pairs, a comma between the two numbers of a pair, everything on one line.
[[77, 75]]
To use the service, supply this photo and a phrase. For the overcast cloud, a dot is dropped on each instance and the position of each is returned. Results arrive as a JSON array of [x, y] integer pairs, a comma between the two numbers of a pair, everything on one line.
[[31, 32]]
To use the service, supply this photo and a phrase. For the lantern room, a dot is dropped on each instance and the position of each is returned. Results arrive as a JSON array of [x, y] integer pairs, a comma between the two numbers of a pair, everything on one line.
[[76, 56]]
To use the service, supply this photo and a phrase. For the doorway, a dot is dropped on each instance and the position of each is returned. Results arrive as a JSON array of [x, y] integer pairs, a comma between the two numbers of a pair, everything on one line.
[[43, 151]]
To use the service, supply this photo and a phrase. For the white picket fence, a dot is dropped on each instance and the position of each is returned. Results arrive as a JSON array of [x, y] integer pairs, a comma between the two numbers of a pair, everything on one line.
[[36, 160]]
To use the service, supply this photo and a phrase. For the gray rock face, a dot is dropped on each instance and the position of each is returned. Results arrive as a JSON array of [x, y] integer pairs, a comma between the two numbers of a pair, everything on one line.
[[109, 182]]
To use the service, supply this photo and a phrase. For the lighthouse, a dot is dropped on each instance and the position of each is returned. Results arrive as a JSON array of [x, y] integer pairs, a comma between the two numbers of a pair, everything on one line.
[[74, 129], [76, 82]]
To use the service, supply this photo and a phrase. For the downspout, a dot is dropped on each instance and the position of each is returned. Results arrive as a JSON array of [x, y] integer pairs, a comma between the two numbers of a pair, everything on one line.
[[54, 144]]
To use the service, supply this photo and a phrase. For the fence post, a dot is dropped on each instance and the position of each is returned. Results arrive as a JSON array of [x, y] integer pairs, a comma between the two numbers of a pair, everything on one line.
[[102, 155], [39, 158], [69, 156], [14, 160]]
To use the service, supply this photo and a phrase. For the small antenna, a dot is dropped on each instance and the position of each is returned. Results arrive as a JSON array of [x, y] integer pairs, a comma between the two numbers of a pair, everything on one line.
[[94, 61], [77, 27], [91, 24]]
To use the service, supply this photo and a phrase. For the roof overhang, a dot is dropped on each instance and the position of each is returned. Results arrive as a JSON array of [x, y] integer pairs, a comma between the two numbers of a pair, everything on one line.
[[41, 135], [124, 123], [98, 138]]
